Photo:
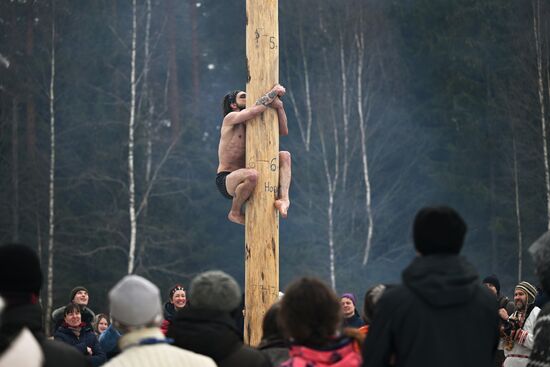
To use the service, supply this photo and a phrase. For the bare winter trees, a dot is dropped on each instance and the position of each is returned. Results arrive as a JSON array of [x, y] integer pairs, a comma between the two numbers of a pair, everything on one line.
[[340, 100]]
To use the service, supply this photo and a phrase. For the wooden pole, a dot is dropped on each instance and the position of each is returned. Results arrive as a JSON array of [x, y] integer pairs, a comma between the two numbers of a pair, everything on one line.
[[262, 154]]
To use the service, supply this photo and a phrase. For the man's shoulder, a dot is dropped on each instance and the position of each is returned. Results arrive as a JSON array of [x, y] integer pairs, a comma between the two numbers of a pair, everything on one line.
[[135, 355], [227, 118], [248, 356], [195, 358], [534, 313], [397, 294]]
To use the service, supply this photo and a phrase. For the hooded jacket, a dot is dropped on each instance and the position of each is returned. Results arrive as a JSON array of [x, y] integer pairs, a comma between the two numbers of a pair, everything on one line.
[[440, 316]]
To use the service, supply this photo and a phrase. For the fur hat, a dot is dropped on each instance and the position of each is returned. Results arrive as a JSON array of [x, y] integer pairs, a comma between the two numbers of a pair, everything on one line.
[[492, 279], [20, 271], [438, 230], [135, 301], [529, 289], [215, 290], [75, 290]]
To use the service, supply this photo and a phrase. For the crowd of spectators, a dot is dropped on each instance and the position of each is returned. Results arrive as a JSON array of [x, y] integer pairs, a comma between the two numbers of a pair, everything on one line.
[[442, 314]]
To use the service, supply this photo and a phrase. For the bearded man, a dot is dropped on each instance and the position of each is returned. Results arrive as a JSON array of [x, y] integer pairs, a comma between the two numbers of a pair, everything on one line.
[[234, 181], [517, 335]]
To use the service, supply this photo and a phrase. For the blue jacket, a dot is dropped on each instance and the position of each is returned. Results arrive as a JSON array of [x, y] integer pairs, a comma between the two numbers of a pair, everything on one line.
[[109, 341], [86, 339]]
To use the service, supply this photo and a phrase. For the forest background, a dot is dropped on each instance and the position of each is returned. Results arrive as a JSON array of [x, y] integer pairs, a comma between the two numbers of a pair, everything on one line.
[[111, 110]]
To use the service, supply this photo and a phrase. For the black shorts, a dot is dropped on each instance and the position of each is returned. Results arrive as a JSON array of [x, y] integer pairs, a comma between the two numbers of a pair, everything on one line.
[[220, 182]]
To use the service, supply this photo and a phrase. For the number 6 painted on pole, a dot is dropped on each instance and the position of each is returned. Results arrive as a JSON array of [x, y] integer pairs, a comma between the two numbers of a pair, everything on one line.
[[273, 166]]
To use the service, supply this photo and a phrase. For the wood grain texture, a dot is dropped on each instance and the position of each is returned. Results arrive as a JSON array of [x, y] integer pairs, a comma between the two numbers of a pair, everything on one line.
[[262, 147]]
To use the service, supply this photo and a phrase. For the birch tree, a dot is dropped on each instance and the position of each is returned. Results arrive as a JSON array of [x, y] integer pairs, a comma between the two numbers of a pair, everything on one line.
[[540, 84], [304, 124], [148, 98], [332, 178], [15, 167], [51, 212], [360, 44], [517, 206], [345, 113], [131, 131]]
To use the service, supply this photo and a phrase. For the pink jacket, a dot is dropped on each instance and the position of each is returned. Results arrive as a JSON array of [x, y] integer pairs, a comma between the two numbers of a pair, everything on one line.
[[341, 356]]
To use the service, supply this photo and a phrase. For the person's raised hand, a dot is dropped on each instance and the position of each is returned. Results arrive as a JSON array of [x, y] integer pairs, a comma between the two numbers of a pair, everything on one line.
[[277, 103], [279, 89]]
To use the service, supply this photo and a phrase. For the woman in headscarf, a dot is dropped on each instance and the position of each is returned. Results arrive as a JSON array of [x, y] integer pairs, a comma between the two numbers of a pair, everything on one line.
[[72, 332]]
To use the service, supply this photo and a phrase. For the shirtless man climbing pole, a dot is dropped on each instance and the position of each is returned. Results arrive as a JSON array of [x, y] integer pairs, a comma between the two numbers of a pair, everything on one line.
[[234, 181]]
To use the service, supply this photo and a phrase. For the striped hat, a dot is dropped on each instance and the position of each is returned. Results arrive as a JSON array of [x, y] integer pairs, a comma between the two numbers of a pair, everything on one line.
[[529, 289]]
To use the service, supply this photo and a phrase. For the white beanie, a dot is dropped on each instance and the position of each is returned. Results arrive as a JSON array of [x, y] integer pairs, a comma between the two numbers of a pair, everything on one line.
[[135, 301]]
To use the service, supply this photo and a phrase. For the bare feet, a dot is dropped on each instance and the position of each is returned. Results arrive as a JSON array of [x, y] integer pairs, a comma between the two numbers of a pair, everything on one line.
[[236, 217], [282, 206]]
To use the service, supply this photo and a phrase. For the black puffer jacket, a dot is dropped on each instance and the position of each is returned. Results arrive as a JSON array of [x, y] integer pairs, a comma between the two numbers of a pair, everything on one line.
[[440, 316], [215, 335], [30, 316]]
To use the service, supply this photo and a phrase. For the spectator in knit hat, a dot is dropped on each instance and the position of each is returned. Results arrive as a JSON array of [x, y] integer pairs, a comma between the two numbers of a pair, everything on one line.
[[20, 284], [177, 299], [72, 332], [206, 325], [441, 315], [142, 342], [351, 316], [79, 295], [540, 354], [517, 335]]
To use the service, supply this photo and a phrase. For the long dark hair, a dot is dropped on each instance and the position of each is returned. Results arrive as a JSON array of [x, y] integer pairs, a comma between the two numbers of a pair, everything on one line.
[[310, 312], [228, 99]]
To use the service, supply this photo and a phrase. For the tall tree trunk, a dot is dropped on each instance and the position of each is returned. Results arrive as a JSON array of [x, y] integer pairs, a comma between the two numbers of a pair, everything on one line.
[[31, 109], [360, 44], [517, 206], [32, 166], [345, 115], [148, 99], [51, 217], [195, 59], [173, 90], [305, 128], [131, 179], [538, 48], [15, 167], [331, 185]]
